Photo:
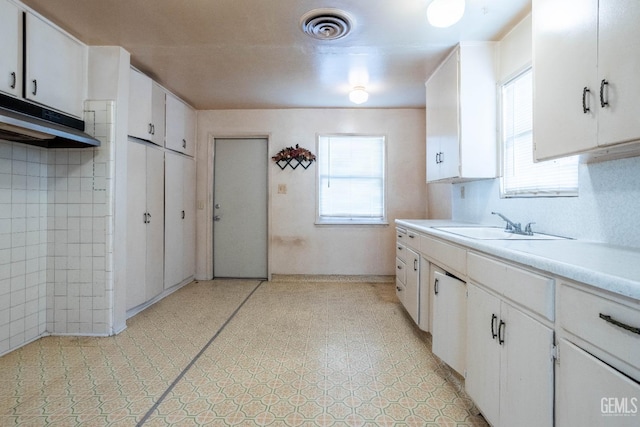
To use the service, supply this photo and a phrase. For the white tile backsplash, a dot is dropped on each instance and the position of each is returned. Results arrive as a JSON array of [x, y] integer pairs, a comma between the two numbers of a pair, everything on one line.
[[55, 236]]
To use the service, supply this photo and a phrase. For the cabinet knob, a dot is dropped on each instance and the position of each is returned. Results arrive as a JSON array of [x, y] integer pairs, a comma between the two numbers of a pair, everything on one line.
[[13, 80]]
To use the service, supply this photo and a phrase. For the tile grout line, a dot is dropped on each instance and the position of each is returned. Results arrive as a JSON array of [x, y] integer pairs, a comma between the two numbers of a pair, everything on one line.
[[195, 358]]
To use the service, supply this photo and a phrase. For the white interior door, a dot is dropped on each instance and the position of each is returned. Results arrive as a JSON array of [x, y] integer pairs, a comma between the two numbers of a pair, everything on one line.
[[240, 208]]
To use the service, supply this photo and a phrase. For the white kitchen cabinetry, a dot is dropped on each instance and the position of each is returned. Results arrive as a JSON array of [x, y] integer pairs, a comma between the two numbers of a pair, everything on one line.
[[408, 273], [509, 352], [145, 223], [585, 62], [592, 393], [181, 126], [56, 67], [599, 360], [10, 49], [449, 327], [146, 108], [180, 243], [461, 116]]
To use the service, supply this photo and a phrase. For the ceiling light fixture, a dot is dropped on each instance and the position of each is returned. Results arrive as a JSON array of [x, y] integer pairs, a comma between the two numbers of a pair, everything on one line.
[[358, 95], [445, 13]]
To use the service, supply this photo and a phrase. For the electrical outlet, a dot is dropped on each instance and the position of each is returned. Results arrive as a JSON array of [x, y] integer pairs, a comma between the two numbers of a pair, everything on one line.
[[282, 188]]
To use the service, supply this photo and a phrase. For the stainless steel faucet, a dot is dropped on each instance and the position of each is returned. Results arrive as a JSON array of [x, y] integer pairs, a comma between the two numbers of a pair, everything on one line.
[[515, 227]]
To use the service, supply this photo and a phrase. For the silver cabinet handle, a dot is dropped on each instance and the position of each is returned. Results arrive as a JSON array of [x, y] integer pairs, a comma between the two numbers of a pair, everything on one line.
[[184, 144], [435, 287], [144, 217], [35, 87], [182, 214], [501, 328], [13, 80], [415, 265]]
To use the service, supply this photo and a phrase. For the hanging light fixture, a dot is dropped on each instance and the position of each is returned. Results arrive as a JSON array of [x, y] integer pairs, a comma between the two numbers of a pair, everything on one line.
[[445, 13], [358, 95]]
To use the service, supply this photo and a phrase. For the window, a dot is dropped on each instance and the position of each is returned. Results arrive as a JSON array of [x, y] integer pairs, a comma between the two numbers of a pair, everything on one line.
[[351, 179], [521, 177]]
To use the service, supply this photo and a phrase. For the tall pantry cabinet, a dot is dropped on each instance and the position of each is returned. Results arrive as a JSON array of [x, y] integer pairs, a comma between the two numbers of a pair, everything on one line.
[[161, 194], [145, 228], [180, 229]]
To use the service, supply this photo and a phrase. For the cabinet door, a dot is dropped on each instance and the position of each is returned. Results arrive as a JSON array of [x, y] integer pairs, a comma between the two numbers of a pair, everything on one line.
[[591, 393], [412, 285], [526, 390], [136, 224], [189, 218], [442, 122], [158, 114], [482, 382], [174, 240], [426, 308], [155, 222], [10, 52], [180, 126], [449, 320], [55, 68], [618, 64], [564, 64], [140, 121]]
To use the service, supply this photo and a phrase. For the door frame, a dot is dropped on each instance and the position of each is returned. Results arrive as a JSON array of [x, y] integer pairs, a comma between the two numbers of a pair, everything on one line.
[[208, 208]]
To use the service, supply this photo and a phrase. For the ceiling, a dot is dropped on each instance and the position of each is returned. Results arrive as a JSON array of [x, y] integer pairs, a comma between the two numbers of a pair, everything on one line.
[[230, 54]]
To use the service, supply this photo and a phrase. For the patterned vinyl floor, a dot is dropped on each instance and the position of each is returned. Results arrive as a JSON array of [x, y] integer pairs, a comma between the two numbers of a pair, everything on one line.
[[233, 352]]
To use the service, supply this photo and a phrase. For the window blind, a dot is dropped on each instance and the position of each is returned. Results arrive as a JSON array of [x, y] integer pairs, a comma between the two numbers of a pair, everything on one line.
[[521, 176], [351, 179]]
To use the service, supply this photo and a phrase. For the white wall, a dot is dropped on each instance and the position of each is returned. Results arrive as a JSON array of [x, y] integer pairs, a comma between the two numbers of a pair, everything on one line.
[[297, 246], [606, 209]]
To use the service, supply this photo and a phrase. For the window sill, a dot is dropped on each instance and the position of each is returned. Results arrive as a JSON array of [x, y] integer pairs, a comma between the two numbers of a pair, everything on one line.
[[342, 222]]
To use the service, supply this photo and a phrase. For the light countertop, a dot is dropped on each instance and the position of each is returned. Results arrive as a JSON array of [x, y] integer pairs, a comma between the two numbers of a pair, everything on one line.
[[612, 268]]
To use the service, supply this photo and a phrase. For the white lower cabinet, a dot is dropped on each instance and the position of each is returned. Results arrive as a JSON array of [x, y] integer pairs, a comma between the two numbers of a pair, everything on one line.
[[145, 223], [509, 362], [179, 255], [591, 393], [408, 274], [449, 319]]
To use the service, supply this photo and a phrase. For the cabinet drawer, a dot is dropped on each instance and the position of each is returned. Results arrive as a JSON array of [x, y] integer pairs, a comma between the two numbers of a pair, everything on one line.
[[452, 257], [580, 313], [413, 240], [401, 271], [531, 290], [401, 251]]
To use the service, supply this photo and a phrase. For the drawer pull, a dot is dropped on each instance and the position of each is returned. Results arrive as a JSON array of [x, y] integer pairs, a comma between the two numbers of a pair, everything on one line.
[[435, 287], [609, 319], [13, 80]]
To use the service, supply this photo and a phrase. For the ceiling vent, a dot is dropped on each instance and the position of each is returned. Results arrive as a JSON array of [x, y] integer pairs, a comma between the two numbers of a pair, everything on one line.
[[326, 24]]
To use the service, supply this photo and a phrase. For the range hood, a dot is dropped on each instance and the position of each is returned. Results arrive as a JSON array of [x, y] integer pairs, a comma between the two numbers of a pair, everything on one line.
[[21, 121]]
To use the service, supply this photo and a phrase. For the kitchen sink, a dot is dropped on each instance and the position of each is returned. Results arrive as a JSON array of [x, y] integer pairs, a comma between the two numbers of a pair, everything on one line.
[[494, 233]]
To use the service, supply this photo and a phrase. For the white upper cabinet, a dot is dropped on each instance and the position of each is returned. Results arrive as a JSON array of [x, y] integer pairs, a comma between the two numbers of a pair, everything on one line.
[[585, 60], [461, 115], [56, 66], [10, 49], [181, 126], [146, 108]]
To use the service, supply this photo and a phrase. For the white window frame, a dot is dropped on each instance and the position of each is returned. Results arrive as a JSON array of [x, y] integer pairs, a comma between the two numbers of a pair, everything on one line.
[[508, 190], [350, 219]]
